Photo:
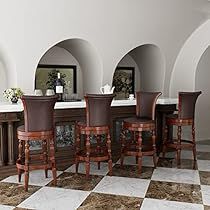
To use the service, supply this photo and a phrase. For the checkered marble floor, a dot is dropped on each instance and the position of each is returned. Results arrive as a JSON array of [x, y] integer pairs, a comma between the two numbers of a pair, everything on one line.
[[164, 188]]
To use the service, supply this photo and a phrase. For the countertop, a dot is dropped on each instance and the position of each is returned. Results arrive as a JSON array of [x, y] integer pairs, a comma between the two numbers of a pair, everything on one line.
[[8, 107]]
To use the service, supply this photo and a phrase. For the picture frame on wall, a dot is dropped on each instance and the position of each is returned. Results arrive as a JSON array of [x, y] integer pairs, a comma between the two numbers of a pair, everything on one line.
[[47, 74], [124, 82]]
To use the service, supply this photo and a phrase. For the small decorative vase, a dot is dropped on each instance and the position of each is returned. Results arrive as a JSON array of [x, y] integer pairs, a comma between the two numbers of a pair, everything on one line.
[[14, 99]]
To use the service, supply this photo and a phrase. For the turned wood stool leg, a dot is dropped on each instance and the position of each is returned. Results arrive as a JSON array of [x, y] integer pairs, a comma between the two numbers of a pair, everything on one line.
[[109, 153], [139, 152], [122, 146], [179, 131], [165, 139], [52, 160], [77, 147], [135, 142], [194, 145], [26, 165], [45, 156], [87, 160], [98, 148], [20, 152], [154, 148]]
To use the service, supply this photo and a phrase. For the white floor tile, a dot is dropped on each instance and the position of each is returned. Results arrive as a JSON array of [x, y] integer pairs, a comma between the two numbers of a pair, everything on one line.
[[176, 175], [203, 165], [93, 168], [5, 207], [154, 204], [36, 177], [123, 186], [205, 190], [146, 161], [203, 148], [51, 198]]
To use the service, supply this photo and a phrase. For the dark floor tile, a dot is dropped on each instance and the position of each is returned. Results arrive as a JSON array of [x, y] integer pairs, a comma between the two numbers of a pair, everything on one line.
[[2, 177], [206, 207], [174, 192], [14, 194], [171, 163], [110, 202], [77, 181], [204, 177], [203, 155], [63, 167], [132, 171]]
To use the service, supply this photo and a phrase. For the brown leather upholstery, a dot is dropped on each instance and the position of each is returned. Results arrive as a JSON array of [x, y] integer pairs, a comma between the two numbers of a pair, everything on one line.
[[138, 120], [185, 117], [98, 109], [146, 102], [186, 106], [144, 121], [38, 112]]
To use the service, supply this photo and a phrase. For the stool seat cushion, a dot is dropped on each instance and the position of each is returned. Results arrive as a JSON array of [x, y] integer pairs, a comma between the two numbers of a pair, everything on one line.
[[138, 120], [21, 128], [175, 120]]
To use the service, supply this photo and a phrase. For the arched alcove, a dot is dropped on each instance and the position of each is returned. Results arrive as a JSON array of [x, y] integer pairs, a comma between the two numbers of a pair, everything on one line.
[[7, 72], [149, 65], [83, 55], [3, 83], [184, 71], [58, 56], [187, 74], [203, 104]]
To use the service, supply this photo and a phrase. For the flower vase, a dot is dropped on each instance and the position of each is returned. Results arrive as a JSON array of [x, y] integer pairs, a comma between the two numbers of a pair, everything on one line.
[[14, 100]]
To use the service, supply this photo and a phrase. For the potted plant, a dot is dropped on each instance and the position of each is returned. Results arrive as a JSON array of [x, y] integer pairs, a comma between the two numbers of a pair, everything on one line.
[[13, 94]]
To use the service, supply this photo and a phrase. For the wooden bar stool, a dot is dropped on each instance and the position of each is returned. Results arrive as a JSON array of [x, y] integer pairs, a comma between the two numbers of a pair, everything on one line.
[[144, 121], [98, 125], [185, 117], [38, 126]]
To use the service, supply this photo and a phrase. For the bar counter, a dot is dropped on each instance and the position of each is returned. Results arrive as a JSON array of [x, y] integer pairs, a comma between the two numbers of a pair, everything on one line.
[[8, 107], [66, 113]]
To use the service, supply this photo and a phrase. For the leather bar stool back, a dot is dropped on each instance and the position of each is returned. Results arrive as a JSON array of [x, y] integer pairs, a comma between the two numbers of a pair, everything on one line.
[[97, 125], [143, 121], [38, 126], [185, 117]]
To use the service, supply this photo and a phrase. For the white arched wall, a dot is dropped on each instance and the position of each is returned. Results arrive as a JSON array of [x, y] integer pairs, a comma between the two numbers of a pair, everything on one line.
[[34, 31], [89, 61], [7, 70], [183, 77], [150, 71], [60, 56], [203, 103], [3, 83], [184, 71], [151, 63]]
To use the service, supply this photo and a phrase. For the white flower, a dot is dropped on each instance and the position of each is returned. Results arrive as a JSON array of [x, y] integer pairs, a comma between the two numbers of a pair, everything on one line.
[[12, 92]]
